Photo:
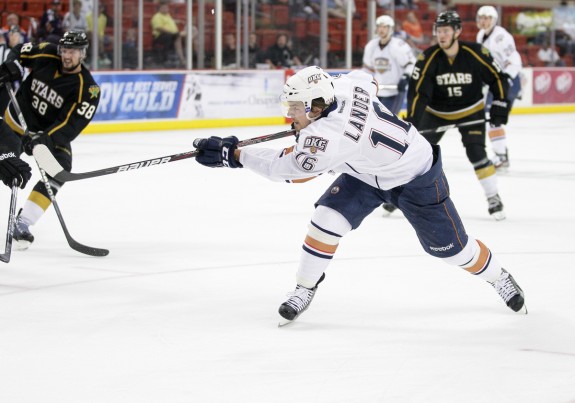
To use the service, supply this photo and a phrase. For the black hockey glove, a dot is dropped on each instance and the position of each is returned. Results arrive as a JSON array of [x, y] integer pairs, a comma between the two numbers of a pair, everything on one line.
[[402, 84], [11, 70], [32, 139], [499, 113], [216, 152], [12, 167]]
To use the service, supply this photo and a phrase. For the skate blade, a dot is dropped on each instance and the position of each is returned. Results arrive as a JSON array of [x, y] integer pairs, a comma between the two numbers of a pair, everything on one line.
[[523, 310], [21, 245], [284, 322], [498, 216]]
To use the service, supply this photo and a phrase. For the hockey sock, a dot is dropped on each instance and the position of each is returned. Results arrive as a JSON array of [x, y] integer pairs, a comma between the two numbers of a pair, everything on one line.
[[476, 258], [498, 139], [325, 230], [485, 172], [34, 208]]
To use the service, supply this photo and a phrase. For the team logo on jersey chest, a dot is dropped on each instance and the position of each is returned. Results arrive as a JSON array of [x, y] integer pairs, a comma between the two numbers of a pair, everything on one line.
[[315, 143]]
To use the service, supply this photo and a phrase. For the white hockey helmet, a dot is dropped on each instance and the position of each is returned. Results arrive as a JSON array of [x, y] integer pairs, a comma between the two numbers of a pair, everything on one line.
[[488, 11], [306, 85], [386, 21]]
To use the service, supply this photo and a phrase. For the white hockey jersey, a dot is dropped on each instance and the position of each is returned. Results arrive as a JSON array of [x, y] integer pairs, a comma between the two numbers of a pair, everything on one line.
[[387, 65], [356, 135], [502, 47]]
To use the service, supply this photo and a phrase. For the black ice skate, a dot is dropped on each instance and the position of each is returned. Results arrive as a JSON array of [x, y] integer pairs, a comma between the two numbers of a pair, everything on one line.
[[496, 208], [510, 292], [388, 208], [22, 236], [298, 301]]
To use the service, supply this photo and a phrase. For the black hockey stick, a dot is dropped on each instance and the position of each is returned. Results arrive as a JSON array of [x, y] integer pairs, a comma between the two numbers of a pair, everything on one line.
[[47, 161], [87, 250], [5, 257], [453, 126]]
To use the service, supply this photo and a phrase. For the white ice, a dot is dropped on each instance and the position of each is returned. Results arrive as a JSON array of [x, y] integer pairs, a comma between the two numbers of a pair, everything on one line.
[[184, 309]]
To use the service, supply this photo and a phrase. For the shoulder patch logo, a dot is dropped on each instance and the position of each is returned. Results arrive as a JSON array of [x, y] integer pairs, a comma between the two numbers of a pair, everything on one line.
[[420, 57], [485, 51], [43, 45], [94, 91], [315, 143]]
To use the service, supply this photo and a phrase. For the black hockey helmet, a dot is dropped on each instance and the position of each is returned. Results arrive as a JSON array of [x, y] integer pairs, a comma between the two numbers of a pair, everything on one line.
[[74, 39], [448, 19]]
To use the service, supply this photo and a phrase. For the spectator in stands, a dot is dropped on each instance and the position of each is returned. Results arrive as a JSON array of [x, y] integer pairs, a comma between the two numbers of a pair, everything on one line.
[[130, 50], [229, 51], [103, 40], [280, 55], [12, 27], [75, 19], [413, 29], [549, 56], [167, 36], [50, 29], [256, 55], [335, 8]]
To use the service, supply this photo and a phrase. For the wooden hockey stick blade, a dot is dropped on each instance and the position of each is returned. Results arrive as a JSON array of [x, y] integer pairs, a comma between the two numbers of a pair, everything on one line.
[[453, 126], [48, 162], [5, 257]]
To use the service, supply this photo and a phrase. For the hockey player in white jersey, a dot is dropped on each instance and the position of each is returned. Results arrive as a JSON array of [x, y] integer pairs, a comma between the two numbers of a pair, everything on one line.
[[501, 45], [342, 127], [390, 60]]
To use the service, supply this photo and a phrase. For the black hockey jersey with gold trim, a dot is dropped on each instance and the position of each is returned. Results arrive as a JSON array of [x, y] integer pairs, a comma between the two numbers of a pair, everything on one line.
[[452, 89], [58, 104]]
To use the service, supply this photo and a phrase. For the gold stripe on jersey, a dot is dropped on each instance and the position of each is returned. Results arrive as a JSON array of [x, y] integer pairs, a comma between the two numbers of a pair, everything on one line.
[[425, 68], [25, 56], [461, 113], [65, 122], [490, 67], [39, 199], [486, 172]]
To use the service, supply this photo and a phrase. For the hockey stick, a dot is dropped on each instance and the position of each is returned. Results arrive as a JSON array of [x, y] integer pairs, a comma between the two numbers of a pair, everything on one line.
[[47, 161], [387, 86], [87, 250], [5, 257], [453, 126]]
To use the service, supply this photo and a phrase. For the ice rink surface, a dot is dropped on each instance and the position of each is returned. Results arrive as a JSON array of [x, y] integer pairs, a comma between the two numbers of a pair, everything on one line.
[[184, 309]]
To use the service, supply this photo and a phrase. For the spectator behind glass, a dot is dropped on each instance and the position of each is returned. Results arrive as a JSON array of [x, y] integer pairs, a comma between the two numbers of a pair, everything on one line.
[[130, 50], [413, 29], [75, 19], [279, 55], [229, 51], [50, 29], [549, 56], [13, 26], [256, 56], [167, 35], [335, 8], [103, 40]]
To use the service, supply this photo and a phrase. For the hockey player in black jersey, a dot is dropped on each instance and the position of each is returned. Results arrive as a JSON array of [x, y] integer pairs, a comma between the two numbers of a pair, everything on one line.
[[58, 100], [446, 88]]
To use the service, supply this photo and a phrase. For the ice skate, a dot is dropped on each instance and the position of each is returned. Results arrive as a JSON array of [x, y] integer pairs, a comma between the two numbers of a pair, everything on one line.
[[510, 292], [496, 207], [388, 208], [298, 301], [22, 236]]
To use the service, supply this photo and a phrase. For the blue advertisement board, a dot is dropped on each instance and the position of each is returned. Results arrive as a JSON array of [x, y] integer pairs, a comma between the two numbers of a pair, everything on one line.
[[138, 96]]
